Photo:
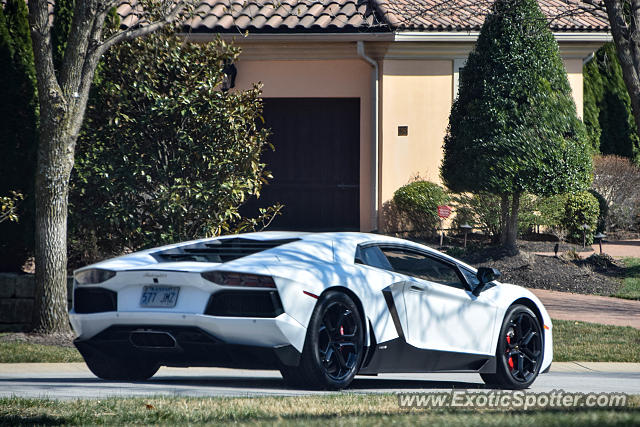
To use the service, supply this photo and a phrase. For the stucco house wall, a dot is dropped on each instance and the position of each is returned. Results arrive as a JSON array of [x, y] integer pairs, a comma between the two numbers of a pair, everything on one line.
[[319, 78], [416, 85]]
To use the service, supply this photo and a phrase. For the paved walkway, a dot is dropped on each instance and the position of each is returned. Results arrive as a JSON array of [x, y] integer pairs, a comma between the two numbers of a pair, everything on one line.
[[620, 248], [590, 308]]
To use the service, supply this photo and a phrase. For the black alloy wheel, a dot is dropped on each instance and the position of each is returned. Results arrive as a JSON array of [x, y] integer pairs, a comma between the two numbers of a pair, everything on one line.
[[334, 345], [339, 341], [520, 350]]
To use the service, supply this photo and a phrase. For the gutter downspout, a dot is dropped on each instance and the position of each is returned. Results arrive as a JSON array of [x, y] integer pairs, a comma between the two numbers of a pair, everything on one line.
[[588, 58], [374, 129]]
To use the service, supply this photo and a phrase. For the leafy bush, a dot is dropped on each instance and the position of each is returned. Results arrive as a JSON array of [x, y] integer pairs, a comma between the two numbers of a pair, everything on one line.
[[9, 206], [581, 208], [419, 201], [481, 211], [551, 210], [528, 217], [165, 156]]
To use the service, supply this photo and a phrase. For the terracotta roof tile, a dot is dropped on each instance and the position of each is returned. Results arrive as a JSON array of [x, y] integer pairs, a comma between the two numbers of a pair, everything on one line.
[[366, 15]]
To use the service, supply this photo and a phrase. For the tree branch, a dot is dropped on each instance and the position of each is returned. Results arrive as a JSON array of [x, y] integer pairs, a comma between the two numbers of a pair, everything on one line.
[[596, 4], [43, 58], [89, 67], [142, 29], [77, 45]]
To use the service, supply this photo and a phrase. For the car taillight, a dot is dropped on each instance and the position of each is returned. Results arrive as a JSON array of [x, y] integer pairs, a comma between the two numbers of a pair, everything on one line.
[[93, 276], [225, 278]]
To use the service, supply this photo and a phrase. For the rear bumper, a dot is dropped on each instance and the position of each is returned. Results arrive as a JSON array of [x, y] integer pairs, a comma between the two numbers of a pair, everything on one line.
[[252, 331], [196, 339], [182, 346]]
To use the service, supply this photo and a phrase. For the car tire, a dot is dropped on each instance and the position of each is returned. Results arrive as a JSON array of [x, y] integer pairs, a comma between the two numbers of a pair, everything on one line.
[[333, 348], [519, 352], [111, 368]]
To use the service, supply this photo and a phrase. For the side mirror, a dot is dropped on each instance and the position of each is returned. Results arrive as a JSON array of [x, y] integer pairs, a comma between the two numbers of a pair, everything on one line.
[[485, 275]]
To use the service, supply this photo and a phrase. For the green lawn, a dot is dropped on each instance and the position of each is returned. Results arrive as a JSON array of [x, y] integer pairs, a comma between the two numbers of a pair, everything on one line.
[[21, 352], [591, 342], [631, 283], [340, 408]]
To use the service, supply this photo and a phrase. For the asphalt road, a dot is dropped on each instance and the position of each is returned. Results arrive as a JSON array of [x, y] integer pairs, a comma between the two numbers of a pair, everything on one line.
[[73, 381]]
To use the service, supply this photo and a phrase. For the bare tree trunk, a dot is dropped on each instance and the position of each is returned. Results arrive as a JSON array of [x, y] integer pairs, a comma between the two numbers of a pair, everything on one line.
[[50, 311], [512, 225], [504, 217], [509, 213], [62, 105]]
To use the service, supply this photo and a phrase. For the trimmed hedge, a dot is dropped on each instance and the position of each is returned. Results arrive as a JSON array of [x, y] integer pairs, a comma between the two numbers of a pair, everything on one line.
[[419, 201]]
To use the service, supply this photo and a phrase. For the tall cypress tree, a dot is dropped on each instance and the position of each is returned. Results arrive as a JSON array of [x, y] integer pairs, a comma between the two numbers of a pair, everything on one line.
[[18, 131], [514, 127], [592, 90], [608, 102]]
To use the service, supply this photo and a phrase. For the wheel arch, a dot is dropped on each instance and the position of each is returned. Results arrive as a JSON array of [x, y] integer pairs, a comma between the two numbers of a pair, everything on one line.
[[530, 304], [533, 307]]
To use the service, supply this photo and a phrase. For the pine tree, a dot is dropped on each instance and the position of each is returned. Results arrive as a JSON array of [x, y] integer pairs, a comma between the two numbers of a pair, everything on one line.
[[18, 131], [514, 127]]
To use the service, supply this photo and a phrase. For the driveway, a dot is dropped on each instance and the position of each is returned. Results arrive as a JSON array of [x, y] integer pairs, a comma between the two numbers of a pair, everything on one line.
[[590, 308]]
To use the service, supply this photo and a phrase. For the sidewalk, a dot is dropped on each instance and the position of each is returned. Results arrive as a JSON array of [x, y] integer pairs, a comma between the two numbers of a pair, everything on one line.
[[590, 308]]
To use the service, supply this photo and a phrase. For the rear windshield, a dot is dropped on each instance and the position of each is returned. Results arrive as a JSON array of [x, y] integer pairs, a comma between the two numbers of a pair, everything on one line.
[[222, 250]]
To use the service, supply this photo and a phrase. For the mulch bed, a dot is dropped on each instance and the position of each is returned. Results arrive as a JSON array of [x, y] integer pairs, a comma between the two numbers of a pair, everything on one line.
[[595, 275]]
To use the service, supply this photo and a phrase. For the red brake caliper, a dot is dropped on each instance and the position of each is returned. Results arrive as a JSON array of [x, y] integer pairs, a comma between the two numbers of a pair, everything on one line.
[[510, 360]]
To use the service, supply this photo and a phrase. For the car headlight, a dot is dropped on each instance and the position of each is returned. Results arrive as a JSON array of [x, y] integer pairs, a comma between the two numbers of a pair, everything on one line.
[[93, 276], [226, 278]]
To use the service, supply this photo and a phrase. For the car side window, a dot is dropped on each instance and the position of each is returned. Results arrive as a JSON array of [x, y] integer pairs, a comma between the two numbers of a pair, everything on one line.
[[424, 267], [373, 256]]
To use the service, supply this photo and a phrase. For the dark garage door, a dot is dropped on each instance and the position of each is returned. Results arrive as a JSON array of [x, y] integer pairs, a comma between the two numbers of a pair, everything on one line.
[[315, 165]]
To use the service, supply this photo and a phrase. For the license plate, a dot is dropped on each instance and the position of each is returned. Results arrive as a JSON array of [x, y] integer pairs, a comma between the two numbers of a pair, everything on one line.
[[159, 296]]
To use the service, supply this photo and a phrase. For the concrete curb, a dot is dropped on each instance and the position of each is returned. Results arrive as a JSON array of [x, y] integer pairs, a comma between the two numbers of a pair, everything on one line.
[[595, 367]]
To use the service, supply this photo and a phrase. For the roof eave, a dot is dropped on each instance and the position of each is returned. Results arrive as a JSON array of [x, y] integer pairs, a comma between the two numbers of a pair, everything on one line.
[[471, 36], [397, 36], [290, 36]]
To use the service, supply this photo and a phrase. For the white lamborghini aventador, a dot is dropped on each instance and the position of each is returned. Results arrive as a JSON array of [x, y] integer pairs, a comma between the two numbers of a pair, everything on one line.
[[320, 307]]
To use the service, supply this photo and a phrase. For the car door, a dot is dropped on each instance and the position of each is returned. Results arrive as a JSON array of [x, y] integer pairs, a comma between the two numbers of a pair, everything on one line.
[[441, 312]]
